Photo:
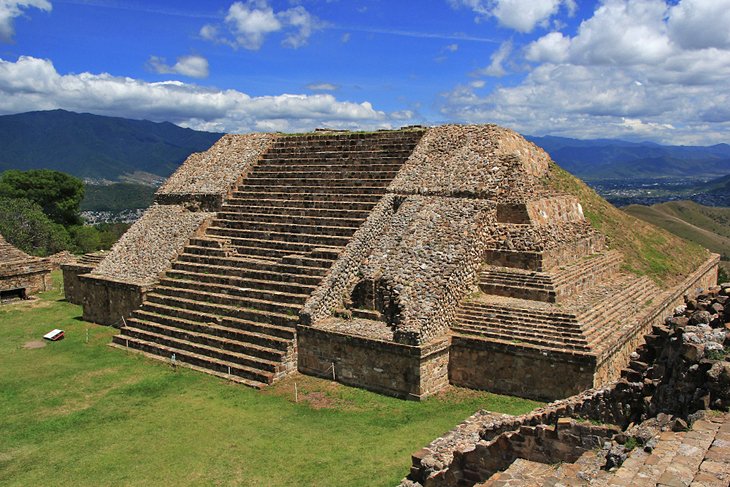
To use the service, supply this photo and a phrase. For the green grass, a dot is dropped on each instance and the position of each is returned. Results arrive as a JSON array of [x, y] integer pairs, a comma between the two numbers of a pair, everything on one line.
[[76, 413], [647, 249], [704, 225]]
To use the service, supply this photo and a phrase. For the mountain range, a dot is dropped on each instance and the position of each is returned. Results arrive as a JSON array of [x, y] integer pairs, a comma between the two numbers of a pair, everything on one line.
[[600, 159], [94, 146], [117, 149]]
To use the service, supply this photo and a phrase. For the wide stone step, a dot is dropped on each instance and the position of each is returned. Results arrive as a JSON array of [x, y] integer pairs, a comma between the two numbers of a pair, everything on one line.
[[319, 218], [249, 304], [242, 276], [176, 316], [384, 155], [314, 181], [292, 266], [222, 309], [521, 335], [351, 166], [232, 279], [238, 235], [206, 344], [283, 211], [306, 200], [263, 339], [329, 175], [483, 308], [252, 377], [290, 228], [268, 190], [242, 292], [562, 330]]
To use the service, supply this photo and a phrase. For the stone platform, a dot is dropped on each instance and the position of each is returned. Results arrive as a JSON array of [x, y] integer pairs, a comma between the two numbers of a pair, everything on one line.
[[397, 261]]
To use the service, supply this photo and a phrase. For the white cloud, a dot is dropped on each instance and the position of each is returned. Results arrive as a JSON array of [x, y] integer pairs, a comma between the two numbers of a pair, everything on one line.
[[11, 9], [520, 15], [631, 70], [322, 87], [193, 66], [34, 84], [452, 47], [247, 25], [498, 58]]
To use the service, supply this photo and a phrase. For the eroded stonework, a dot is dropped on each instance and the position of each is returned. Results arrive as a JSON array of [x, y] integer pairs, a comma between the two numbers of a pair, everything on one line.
[[22, 274], [399, 261]]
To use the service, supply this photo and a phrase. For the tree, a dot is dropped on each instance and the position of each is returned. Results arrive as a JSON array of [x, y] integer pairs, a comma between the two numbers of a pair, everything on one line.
[[23, 224], [57, 193]]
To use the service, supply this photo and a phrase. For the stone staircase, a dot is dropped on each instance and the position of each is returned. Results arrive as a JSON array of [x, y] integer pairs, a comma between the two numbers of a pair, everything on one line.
[[229, 304], [549, 287], [518, 321], [582, 325]]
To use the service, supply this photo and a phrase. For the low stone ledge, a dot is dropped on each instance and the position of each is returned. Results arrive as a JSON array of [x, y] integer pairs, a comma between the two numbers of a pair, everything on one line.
[[109, 301], [405, 371], [521, 370]]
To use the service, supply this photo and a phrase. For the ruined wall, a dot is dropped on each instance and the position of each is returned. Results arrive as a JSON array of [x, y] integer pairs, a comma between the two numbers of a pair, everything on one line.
[[681, 368], [518, 370], [19, 270], [541, 211]]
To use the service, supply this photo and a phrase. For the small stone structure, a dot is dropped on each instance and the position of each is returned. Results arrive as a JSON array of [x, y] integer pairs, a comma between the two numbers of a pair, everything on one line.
[[72, 288], [20, 273], [681, 371], [398, 261]]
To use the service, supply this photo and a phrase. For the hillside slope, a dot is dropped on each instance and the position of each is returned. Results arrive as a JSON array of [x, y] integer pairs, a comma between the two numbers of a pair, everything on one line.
[[93, 146], [704, 225], [647, 249]]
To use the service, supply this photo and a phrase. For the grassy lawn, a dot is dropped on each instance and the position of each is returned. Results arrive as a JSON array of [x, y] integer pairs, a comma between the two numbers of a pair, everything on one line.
[[81, 413]]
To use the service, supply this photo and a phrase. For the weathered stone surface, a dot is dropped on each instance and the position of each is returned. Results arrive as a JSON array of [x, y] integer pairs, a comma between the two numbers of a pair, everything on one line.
[[22, 272]]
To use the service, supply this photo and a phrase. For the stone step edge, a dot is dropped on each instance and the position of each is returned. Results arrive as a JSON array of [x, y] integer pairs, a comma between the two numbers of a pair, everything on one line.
[[160, 358]]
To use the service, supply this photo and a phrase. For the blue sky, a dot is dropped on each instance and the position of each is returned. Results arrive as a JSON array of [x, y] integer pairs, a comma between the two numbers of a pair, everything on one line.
[[634, 69]]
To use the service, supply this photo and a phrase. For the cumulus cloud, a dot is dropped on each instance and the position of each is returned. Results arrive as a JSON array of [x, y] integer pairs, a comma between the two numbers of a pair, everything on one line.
[[496, 67], [11, 9], [520, 15], [633, 69], [248, 23], [34, 84], [193, 66]]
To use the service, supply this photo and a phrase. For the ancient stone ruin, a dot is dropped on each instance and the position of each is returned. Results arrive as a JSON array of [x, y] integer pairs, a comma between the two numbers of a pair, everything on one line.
[[21, 274], [665, 422], [398, 261], [72, 288]]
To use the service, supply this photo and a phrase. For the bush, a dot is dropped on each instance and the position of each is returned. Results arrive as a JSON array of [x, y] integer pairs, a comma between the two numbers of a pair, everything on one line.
[[23, 224]]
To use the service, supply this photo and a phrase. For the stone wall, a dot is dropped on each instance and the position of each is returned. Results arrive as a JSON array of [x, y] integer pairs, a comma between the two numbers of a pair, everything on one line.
[[73, 289], [19, 270], [549, 209], [137, 260], [109, 302], [206, 178], [518, 370], [381, 365]]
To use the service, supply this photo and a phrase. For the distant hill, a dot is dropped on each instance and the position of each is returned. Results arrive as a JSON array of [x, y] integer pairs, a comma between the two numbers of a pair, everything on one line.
[[707, 226], [93, 146], [616, 159]]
